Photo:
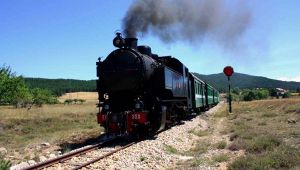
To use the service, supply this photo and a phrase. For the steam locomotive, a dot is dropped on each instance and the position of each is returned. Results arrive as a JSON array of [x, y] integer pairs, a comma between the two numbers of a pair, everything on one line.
[[141, 92]]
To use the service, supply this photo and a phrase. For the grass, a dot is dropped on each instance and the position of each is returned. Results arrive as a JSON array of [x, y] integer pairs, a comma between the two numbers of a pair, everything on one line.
[[201, 161], [199, 133], [142, 158], [261, 129], [221, 158], [204, 161], [269, 140], [283, 157], [50, 123], [88, 96], [269, 114], [170, 149], [201, 147], [221, 145]]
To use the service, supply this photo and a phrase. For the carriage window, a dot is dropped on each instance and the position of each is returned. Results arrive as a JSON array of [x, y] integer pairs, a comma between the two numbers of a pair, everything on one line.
[[200, 89]]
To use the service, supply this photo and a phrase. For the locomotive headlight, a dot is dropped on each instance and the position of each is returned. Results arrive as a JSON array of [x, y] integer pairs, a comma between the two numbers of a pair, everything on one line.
[[118, 41], [137, 105], [106, 107]]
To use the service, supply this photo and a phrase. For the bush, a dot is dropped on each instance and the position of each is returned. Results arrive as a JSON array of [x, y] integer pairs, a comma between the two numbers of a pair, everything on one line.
[[249, 96], [43, 96], [75, 101], [255, 94], [81, 101], [68, 101], [286, 95]]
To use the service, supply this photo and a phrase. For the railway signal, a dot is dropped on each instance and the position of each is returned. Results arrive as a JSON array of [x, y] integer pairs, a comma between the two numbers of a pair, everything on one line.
[[228, 71]]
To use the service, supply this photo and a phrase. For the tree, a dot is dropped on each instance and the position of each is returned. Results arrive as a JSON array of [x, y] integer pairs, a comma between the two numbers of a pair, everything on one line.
[[13, 89], [249, 96], [273, 93], [43, 96], [286, 95], [262, 94]]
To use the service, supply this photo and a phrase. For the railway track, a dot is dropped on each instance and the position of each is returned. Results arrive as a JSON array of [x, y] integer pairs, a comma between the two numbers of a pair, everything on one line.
[[80, 153]]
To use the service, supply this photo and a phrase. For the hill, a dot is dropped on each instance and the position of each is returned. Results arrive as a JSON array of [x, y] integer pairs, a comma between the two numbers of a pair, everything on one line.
[[61, 86], [243, 81]]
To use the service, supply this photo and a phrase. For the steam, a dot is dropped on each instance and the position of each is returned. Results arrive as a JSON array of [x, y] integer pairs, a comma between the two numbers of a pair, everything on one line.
[[188, 20]]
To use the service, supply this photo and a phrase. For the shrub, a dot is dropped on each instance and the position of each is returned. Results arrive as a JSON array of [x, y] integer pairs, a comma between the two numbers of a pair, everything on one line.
[[75, 101], [43, 96], [81, 101], [68, 101], [286, 95], [249, 96]]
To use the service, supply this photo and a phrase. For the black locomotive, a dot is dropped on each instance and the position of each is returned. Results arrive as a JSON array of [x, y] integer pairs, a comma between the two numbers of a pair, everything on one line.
[[141, 92]]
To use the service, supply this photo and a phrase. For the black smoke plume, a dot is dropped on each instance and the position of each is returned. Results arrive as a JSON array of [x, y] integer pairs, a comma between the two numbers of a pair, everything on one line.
[[188, 20]]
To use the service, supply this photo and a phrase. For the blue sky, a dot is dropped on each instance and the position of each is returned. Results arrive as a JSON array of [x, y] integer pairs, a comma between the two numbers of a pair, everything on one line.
[[64, 38]]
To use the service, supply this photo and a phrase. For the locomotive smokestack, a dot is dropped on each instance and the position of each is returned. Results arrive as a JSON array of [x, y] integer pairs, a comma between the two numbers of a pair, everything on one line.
[[131, 43]]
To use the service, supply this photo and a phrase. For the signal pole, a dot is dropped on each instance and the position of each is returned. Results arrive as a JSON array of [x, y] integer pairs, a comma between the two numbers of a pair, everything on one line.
[[228, 71], [230, 110]]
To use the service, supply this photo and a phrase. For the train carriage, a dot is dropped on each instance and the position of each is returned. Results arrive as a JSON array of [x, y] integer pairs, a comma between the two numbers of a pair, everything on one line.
[[198, 93]]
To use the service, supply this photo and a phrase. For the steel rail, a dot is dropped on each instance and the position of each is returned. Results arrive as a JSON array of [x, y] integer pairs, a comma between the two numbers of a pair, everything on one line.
[[103, 156], [67, 156], [112, 152]]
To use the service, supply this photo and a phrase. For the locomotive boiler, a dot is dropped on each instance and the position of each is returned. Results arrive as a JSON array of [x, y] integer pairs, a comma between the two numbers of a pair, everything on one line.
[[141, 92]]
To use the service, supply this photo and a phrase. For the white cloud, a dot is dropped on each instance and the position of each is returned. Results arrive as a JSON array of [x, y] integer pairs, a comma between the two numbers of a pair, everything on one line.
[[297, 78]]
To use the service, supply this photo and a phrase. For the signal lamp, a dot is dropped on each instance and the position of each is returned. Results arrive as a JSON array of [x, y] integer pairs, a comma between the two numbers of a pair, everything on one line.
[[228, 71]]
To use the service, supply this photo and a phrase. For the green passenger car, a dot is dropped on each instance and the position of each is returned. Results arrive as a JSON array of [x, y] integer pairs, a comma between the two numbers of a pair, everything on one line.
[[204, 95], [198, 93]]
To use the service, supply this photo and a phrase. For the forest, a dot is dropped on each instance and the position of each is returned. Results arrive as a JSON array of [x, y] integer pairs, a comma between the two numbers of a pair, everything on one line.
[[61, 86]]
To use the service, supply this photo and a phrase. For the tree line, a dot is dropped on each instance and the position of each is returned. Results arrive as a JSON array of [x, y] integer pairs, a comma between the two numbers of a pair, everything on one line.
[[244, 81], [61, 86], [256, 94]]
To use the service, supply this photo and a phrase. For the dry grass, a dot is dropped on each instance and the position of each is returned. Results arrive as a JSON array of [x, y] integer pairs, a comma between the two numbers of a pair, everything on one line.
[[265, 131], [50, 123], [88, 96]]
